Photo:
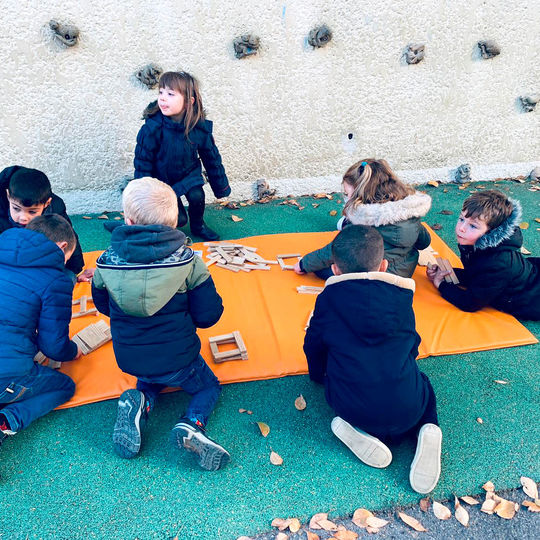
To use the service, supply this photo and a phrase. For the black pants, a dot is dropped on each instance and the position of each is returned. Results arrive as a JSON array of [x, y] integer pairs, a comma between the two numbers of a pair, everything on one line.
[[195, 199]]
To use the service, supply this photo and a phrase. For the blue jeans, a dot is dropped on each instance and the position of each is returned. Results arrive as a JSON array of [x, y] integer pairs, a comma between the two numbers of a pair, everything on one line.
[[23, 399], [196, 379]]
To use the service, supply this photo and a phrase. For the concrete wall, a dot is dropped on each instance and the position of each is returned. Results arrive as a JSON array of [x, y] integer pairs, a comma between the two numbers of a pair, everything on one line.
[[286, 114]]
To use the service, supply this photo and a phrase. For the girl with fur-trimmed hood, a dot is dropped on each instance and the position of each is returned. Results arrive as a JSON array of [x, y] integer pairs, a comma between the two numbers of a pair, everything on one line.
[[376, 197]]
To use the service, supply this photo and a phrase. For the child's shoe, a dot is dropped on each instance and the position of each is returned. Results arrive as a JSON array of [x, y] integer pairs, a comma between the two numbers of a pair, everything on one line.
[[132, 413], [426, 465], [205, 232], [5, 429], [365, 447], [191, 436]]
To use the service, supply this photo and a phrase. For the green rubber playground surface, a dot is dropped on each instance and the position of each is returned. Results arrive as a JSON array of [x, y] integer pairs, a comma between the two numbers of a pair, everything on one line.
[[61, 479]]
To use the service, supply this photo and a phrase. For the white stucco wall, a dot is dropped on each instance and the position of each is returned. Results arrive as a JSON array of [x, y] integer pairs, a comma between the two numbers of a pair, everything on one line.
[[285, 114]]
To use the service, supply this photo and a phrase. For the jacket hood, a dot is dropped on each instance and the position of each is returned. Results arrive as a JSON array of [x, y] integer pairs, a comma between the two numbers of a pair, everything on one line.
[[25, 248], [156, 116], [504, 231], [416, 205], [146, 243]]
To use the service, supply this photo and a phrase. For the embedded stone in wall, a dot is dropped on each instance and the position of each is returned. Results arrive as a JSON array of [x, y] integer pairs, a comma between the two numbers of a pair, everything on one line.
[[463, 173], [149, 75], [534, 175], [64, 34], [528, 103], [415, 53], [320, 36], [246, 45], [489, 49], [263, 190]]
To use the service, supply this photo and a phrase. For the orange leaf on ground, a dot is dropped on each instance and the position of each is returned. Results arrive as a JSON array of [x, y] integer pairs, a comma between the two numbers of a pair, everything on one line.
[[300, 403], [523, 225], [294, 525], [280, 523], [328, 525], [460, 513], [87, 217], [479, 420], [360, 517], [333, 212], [312, 536], [524, 250], [242, 410], [441, 511], [498, 381], [506, 509], [265, 428], [236, 219], [425, 504], [411, 522], [282, 536], [488, 506], [103, 216], [469, 500], [488, 486], [433, 183], [314, 521], [275, 458], [376, 523], [532, 506], [529, 487], [345, 534]]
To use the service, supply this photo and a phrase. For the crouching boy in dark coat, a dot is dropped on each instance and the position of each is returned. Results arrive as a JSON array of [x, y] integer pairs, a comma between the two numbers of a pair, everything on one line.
[[362, 345], [157, 292]]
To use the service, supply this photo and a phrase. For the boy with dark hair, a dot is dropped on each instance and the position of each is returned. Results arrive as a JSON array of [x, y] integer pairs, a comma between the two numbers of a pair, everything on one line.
[[157, 292], [26, 194], [495, 272], [35, 311], [362, 345]]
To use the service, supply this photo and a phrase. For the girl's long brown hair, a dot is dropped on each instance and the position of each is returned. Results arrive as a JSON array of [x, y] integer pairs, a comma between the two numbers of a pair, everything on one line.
[[188, 86], [374, 182]]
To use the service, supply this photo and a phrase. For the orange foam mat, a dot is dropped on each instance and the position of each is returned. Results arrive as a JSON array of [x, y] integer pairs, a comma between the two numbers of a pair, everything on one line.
[[271, 315]]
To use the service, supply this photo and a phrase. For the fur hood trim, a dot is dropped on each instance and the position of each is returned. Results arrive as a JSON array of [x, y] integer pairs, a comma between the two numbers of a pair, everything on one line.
[[504, 231], [391, 279], [416, 205]]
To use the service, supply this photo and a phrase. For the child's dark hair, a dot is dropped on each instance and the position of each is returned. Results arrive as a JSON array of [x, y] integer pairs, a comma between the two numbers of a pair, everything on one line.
[[491, 205], [55, 228], [29, 187], [374, 182], [358, 248], [188, 86]]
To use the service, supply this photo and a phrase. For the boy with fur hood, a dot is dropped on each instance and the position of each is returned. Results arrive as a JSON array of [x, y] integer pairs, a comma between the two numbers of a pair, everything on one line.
[[495, 272], [157, 292], [362, 345]]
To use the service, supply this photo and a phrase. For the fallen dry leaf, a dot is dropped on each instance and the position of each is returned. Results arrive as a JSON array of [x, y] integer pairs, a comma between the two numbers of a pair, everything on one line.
[[441, 511], [322, 196], [460, 513], [232, 206], [376, 523], [469, 500], [537, 219], [411, 522], [300, 403], [425, 504], [446, 212], [118, 218], [372, 530], [360, 517], [523, 225], [236, 219], [103, 216], [488, 506], [242, 410], [479, 420], [312, 536], [249, 412], [433, 183], [265, 428], [282, 536], [524, 250], [280, 523], [315, 205], [87, 217], [445, 190], [498, 381], [314, 521], [294, 525], [345, 534], [488, 486], [275, 458], [506, 509], [529, 487], [532, 506], [333, 212], [436, 226], [327, 525]]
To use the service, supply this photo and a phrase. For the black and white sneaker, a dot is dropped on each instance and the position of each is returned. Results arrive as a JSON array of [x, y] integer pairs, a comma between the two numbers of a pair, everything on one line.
[[187, 434], [132, 413]]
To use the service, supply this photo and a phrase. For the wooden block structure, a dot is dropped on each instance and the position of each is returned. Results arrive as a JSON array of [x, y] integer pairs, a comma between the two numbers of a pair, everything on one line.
[[83, 309], [235, 257], [280, 259], [239, 353], [93, 337], [444, 264], [427, 256], [308, 289], [41, 359]]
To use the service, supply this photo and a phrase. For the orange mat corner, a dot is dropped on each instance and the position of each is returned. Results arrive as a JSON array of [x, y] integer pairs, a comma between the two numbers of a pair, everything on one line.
[[271, 315]]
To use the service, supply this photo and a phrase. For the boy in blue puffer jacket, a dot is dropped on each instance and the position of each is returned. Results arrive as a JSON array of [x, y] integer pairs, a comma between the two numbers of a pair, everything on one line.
[[35, 311], [157, 292]]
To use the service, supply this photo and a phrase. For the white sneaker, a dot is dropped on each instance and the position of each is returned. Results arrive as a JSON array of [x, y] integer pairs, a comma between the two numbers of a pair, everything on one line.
[[426, 465], [366, 448]]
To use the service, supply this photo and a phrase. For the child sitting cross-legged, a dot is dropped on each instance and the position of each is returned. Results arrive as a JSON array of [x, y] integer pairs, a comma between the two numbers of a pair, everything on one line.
[[362, 345], [495, 272], [157, 292]]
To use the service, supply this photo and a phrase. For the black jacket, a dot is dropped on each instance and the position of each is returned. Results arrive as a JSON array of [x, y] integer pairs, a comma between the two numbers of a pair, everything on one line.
[[76, 262], [495, 273], [362, 344], [164, 152]]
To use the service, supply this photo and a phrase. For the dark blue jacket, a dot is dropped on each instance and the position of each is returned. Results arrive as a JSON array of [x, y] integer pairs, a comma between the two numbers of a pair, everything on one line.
[[76, 262], [35, 302], [495, 273], [362, 344], [156, 292], [164, 152]]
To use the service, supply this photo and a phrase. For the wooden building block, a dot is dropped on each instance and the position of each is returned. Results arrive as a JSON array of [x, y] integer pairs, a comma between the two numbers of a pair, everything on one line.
[[444, 264], [280, 260], [308, 289], [93, 337], [427, 256], [239, 353]]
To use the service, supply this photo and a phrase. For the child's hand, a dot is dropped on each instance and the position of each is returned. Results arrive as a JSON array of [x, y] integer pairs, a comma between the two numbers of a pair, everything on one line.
[[79, 353], [298, 268], [87, 275], [431, 271], [438, 278]]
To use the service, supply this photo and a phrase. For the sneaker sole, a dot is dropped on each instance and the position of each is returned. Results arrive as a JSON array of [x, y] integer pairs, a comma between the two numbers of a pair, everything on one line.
[[366, 448], [127, 429], [211, 455], [426, 465]]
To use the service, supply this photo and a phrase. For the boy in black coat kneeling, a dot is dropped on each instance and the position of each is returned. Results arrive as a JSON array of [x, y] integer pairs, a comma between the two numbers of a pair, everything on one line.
[[362, 345]]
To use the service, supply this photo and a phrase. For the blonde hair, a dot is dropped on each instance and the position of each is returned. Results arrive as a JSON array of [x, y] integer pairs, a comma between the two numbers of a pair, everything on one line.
[[374, 182], [148, 201]]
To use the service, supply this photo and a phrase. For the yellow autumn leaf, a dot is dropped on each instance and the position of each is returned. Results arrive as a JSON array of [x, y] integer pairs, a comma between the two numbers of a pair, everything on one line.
[[236, 219], [360, 517], [488, 486], [282, 536], [460, 513], [479, 420], [275, 458], [532, 506], [488, 506], [300, 403], [103, 216], [312, 536], [375, 522], [441, 511], [280, 523], [345, 534], [265, 428], [506, 509], [411, 522], [333, 212], [469, 500], [529, 487], [433, 183], [314, 521], [328, 525], [523, 225], [524, 250], [87, 217], [242, 410], [294, 525]]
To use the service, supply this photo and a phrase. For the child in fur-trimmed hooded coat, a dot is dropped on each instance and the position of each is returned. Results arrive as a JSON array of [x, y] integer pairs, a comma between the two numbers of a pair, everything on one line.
[[376, 197], [495, 272]]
